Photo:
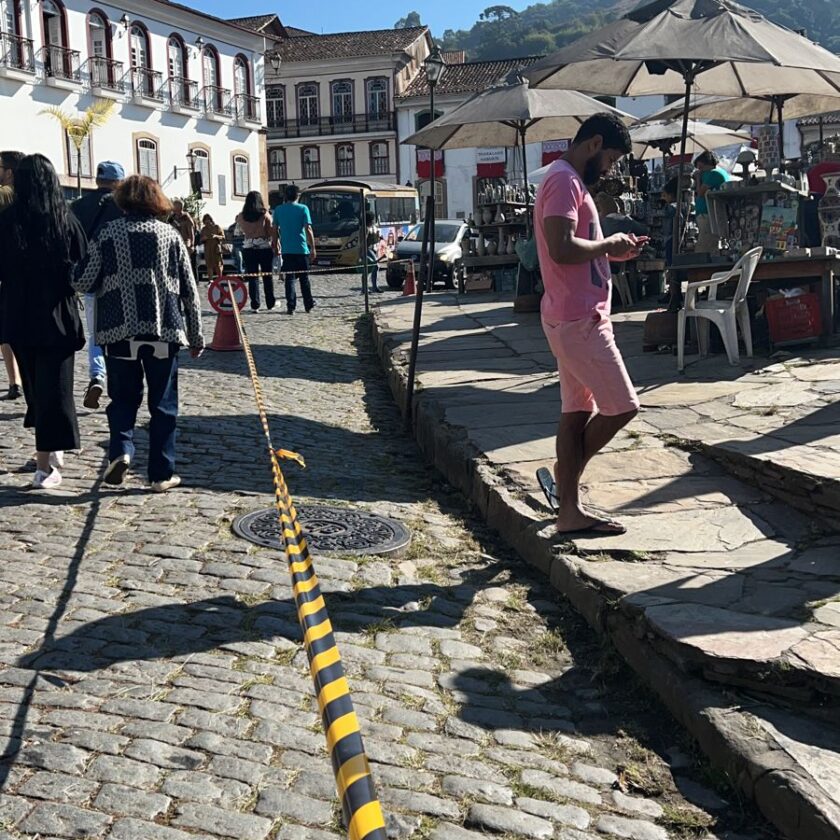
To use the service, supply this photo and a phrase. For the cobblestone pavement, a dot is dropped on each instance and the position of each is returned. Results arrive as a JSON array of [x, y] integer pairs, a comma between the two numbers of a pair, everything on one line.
[[154, 686]]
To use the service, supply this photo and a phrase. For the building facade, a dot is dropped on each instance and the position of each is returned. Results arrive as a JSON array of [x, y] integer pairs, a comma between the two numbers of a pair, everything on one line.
[[187, 87], [330, 104]]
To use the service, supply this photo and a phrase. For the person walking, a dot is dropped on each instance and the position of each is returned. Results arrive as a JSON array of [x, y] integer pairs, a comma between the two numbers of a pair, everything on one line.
[[8, 163], [297, 241], [39, 313], [258, 249], [372, 238], [147, 308], [598, 399], [94, 210], [184, 224], [212, 237]]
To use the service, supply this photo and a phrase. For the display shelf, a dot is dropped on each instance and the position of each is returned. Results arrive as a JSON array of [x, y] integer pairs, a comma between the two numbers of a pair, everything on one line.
[[475, 261]]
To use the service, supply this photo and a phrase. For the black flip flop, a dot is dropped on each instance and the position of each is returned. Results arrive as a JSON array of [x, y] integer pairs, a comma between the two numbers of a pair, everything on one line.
[[605, 528], [546, 482]]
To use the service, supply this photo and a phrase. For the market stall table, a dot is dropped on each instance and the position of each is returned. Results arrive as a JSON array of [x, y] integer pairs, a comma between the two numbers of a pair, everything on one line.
[[782, 272]]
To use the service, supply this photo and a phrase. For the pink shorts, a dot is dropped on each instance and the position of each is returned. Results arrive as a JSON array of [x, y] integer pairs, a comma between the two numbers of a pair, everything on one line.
[[592, 373]]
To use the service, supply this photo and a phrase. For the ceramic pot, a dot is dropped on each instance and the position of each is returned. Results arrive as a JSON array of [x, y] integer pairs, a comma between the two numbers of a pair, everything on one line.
[[500, 217], [487, 215], [481, 247], [492, 246], [829, 211]]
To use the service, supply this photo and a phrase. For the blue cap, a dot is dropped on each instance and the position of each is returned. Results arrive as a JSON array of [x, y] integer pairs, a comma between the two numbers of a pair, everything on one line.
[[108, 170]]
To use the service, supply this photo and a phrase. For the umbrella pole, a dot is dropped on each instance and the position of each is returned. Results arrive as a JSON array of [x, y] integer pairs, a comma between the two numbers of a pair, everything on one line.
[[522, 130], [678, 227], [780, 110]]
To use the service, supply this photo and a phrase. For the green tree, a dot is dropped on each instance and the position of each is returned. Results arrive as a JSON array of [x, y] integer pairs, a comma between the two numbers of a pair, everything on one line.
[[79, 128], [410, 21]]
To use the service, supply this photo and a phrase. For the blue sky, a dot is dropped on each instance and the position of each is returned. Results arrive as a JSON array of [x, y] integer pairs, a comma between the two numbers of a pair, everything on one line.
[[347, 15]]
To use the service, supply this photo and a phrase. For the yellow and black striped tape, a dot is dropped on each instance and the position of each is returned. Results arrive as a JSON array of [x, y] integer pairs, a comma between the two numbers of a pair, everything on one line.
[[362, 811]]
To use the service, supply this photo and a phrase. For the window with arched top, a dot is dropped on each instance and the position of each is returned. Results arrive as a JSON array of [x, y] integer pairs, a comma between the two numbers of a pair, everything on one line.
[[345, 160], [201, 163], [377, 98], [241, 76], [307, 103], [342, 101], [277, 164], [211, 73], [275, 106], [241, 175], [380, 158], [54, 18], [99, 35], [147, 158], [311, 161], [141, 54], [176, 58]]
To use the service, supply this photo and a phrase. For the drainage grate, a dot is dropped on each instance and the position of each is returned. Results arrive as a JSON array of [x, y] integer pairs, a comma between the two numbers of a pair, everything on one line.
[[329, 530]]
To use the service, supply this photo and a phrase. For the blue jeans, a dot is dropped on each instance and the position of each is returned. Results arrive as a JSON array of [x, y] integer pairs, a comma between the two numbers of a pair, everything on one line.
[[373, 267], [96, 361], [125, 388], [299, 264]]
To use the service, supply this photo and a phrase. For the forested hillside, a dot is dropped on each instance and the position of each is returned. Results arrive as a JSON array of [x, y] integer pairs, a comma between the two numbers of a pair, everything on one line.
[[538, 29]]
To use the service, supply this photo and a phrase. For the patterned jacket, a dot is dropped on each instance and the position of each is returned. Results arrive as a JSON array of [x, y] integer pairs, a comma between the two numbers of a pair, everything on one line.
[[140, 271]]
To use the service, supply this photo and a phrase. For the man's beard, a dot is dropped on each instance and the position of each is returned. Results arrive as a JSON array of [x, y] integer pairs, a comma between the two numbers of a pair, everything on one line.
[[593, 170]]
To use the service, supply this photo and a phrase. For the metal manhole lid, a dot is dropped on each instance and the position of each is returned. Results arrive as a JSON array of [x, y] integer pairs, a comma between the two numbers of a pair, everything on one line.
[[328, 530]]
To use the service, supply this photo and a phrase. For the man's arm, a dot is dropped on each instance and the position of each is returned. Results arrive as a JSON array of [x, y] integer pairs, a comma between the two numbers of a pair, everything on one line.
[[310, 239], [567, 249]]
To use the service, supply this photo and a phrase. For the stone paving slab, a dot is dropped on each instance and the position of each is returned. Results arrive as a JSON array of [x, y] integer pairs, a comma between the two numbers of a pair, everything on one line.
[[719, 577]]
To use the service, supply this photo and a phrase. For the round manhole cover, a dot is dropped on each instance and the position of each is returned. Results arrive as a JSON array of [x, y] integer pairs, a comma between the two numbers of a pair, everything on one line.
[[328, 530]]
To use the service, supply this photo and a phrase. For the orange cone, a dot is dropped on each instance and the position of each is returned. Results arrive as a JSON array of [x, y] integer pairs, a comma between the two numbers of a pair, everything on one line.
[[410, 285]]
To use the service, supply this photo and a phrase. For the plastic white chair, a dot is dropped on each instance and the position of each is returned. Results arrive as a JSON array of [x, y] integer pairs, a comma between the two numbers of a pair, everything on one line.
[[726, 315]]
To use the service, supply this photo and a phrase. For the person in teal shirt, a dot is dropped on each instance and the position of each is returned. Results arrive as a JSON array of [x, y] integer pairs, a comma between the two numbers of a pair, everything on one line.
[[708, 177], [297, 245]]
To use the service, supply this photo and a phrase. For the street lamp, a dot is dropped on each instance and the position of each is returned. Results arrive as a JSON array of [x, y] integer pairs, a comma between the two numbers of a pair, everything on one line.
[[275, 60], [434, 66]]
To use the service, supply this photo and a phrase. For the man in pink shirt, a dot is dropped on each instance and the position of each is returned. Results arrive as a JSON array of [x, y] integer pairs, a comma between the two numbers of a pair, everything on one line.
[[598, 399]]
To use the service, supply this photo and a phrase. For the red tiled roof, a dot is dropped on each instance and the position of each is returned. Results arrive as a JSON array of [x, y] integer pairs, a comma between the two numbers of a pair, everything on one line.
[[296, 32], [349, 44], [468, 77], [454, 56], [265, 24]]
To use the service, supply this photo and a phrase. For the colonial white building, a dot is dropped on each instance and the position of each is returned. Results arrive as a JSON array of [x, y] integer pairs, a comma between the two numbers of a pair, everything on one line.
[[331, 101], [188, 90]]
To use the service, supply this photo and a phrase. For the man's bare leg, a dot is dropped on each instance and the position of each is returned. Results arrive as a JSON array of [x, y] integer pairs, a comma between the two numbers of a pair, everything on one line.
[[12, 371], [579, 438]]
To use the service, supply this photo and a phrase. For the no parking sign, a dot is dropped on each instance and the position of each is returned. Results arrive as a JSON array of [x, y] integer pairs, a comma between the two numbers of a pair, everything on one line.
[[223, 293]]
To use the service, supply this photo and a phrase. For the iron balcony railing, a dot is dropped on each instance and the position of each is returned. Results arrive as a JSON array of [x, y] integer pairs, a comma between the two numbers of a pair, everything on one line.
[[183, 92], [215, 100], [325, 126], [380, 166], [147, 83], [16, 53], [105, 73], [247, 107], [311, 169], [60, 63], [277, 171]]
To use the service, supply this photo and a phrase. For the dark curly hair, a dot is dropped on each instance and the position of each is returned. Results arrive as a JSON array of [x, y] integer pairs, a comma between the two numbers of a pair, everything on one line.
[[42, 220]]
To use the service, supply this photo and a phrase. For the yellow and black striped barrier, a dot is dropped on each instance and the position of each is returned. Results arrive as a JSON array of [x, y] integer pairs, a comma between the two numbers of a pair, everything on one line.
[[359, 803]]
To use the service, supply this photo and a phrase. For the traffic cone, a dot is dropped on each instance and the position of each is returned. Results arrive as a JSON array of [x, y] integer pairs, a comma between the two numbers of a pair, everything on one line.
[[226, 333], [409, 285]]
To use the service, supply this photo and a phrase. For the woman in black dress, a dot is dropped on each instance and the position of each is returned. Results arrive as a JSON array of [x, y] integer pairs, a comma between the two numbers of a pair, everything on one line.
[[40, 241]]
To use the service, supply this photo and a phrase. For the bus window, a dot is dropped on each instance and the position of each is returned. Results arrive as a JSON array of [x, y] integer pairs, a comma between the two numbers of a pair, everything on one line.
[[333, 213]]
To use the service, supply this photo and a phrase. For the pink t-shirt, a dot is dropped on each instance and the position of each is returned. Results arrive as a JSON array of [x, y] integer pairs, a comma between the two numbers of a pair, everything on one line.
[[572, 292]]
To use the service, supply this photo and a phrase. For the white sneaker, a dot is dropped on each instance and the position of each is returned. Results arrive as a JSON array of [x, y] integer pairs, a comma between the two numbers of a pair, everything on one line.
[[116, 470], [57, 460], [163, 486], [46, 481]]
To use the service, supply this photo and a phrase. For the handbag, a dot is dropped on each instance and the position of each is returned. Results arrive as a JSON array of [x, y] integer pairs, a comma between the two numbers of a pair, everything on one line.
[[526, 250]]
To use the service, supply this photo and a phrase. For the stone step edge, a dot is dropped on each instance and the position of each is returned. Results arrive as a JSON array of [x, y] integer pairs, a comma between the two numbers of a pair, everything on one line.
[[782, 789], [816, 496]]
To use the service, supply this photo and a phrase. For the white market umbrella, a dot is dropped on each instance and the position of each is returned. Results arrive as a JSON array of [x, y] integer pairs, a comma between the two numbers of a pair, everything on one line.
[[656, 138], [680, 46], [504, 115], [754, 110]]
